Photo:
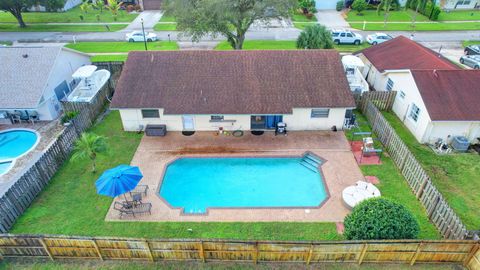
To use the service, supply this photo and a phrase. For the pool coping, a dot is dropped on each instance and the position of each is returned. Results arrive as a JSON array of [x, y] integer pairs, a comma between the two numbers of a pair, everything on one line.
[[206, 213], [13, 160]]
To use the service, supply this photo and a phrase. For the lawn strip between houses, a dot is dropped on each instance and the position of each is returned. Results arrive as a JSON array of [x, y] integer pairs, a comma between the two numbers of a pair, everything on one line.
[[283, 45], [4, 27], [433, 26]]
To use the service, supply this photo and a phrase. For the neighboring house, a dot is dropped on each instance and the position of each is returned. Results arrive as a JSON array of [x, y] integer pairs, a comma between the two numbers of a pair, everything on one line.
[[69, 4], [436, 104], [246, 90], [150, 4], [398, 56], [36, 78], [458, 4]]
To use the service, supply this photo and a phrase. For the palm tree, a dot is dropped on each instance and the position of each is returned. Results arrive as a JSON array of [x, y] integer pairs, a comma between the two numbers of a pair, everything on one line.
[[99, 5], [85, 6], [89, 145], [114, 7], [385, 5], [315, 37]]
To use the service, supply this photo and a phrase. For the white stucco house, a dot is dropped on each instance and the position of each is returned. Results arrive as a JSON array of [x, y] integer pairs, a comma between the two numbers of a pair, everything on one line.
[[69, 4], [233, 90], [35, 79], [458, 4]]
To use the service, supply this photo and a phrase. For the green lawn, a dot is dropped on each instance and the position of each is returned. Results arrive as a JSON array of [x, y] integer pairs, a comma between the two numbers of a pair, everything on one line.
[[114, 47], [283, 45], [167, 18], [455, 175], [297, 17], [434, 26], [394, 16], [165, 27], [109, 58], [70, 16], [60, 28], [460, 15], [470, 42]]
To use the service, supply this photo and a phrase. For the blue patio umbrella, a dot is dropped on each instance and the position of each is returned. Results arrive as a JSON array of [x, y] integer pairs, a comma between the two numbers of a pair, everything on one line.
[[118, 180]]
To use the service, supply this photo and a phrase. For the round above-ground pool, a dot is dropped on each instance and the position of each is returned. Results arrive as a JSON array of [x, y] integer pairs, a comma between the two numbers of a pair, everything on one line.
[[15, 143]]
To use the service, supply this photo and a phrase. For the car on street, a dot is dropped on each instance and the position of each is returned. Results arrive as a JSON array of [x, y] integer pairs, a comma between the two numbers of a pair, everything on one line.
[[137, 36], [343, 36], [472, 50], [472, 61], [378, 38]]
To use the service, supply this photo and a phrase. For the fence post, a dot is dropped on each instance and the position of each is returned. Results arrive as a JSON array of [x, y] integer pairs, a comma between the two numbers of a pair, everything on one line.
[[97, 249], [201, 252], [255, 253], [45, 247], [422, 187], [417, 252], [471, 254], [437, 200], [310, 253], [147, 246], [362, 254]]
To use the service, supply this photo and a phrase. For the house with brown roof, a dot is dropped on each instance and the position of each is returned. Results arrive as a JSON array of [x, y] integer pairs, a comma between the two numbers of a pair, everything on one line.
[[233, 90]]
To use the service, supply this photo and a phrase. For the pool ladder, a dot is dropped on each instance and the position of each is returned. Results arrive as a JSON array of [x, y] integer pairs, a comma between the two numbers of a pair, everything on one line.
[[311, 161]]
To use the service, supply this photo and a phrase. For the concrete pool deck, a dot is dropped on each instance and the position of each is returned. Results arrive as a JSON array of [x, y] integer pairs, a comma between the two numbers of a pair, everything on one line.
[[340, 170]]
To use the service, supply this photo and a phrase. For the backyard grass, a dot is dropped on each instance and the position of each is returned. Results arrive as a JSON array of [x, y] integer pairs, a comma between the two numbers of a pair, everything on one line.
[[70, 16], [455, 175], [69, 205], [165, 265], [283, 45], [116, 47], [109, 58], [460, 15], [60, 28], [394, 186], [394, 16], [433, 26]]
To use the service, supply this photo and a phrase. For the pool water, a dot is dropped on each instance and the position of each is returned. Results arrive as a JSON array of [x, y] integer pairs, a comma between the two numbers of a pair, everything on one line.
[[196, 184], [14, 144]]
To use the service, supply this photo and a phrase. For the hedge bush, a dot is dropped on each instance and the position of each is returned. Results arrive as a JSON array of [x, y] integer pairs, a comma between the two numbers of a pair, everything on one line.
[[380, 218], [340, 5], [427, 8]]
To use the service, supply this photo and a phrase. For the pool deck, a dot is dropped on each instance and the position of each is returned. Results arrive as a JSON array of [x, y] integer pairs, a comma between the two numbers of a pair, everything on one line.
[[340, 170]]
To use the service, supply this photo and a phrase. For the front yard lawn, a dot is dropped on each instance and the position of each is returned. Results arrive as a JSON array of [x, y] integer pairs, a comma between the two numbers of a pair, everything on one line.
[[115, 47], [470, 42], [10, 27], [460, 15], [394, 16], [297, 17], [455, 175], [165, 27], [70, 16], [432, 26], [283, 45]]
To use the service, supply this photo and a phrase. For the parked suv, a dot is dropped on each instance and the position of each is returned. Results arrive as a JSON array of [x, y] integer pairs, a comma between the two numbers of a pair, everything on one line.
[[346, 37], [472, 50]]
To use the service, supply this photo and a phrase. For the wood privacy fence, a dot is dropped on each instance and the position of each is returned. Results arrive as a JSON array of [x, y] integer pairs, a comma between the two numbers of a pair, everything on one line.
[[438, 210], [382, 99], [397, 251], [25, 189]]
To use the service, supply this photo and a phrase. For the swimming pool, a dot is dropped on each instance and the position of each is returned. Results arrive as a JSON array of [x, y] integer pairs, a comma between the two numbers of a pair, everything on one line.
[[15, 143], [196, 184]]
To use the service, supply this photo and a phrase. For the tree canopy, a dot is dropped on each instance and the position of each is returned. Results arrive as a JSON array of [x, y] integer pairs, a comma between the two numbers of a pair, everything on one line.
[[229, 18], [16, 7], [315, 37]]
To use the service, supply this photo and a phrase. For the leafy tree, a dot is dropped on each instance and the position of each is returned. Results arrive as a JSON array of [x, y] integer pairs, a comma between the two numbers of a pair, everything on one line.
[[380, 218], [359, 6], [229, 18], [89, 145], [307, 6], [385, 5], [315, 37], [99, 5], [16, 7], [85, 6]]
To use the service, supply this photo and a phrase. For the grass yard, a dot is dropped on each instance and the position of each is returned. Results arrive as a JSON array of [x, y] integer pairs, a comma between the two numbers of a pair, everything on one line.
[[165, 27], [460, 15], [433, 26], [166, 265], [70, 16], [60, 28], [455, 175], [394, 16], [115, 47], [109, 58], [283, 45], [470, 42], [297, 17]]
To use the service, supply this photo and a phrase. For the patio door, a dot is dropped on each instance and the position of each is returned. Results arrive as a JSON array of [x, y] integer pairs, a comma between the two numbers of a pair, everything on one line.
[[188, 123]]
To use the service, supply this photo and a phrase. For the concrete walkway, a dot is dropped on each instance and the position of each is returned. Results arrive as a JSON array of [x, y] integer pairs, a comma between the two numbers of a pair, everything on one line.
[[331, 19], [150, 18]]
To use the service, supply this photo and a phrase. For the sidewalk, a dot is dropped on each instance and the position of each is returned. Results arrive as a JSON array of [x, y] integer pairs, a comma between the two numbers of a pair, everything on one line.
[[150, 19]]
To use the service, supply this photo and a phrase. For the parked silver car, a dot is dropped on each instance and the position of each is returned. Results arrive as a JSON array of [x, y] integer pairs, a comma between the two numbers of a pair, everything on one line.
[[472, 61]]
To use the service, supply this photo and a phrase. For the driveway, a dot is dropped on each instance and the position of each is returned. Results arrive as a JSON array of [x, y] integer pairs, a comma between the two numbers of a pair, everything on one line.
[[149, 17], [451, 50], [331, 19]]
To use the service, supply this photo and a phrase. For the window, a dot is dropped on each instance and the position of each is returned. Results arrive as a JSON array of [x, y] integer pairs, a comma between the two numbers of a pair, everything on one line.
[[216, 118], [389, 84], [414, 112], [150, 114], [320, 113], [402, 95]]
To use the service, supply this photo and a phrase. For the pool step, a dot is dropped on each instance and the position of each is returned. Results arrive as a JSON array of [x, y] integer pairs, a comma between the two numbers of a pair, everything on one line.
[[309, 166], [311, 161], [313, 157]]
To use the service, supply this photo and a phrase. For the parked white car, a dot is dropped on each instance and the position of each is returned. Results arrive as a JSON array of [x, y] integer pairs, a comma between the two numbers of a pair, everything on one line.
[[343, 36], [378, 38], [137, 36]]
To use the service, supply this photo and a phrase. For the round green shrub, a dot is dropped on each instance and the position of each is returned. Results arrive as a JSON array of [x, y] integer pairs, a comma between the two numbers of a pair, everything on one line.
[[340, 5], [380, 218]]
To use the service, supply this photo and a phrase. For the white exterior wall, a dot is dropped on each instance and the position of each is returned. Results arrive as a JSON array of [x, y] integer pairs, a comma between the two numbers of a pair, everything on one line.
[[132, 120], [442, 130], [452, 4], [377, 79], [69, 4]]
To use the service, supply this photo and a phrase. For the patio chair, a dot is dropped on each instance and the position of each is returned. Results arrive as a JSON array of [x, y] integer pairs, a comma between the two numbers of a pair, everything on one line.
[[130, 209], [139, 189], [34, 117]]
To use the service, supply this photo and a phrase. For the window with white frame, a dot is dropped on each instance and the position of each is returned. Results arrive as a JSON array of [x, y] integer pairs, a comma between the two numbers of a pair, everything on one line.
[[414, 112], [216, 118], [150, 114], [402, 95], [389, 84], [320, 113]]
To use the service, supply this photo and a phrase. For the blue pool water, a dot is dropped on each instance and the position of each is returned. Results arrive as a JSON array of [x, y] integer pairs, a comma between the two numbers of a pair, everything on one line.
[[14, 144], [196, 184]]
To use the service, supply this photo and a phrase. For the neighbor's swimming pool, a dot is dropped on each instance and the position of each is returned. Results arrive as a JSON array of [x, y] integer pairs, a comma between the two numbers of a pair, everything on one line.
[[196, 184], [13, 144]]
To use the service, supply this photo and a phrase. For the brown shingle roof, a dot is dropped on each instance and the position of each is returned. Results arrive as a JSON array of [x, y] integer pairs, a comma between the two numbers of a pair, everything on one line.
[[403, 53], [450, 95], [232, 82]]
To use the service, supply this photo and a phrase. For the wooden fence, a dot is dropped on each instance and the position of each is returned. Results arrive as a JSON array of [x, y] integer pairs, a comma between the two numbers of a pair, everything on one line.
[[25, 189], [382, 99], [438, 210], [396, 251]]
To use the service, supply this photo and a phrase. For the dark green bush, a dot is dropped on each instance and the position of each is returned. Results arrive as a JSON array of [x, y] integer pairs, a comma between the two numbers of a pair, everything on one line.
[[380, 218], [340, 5], [67, 116]]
